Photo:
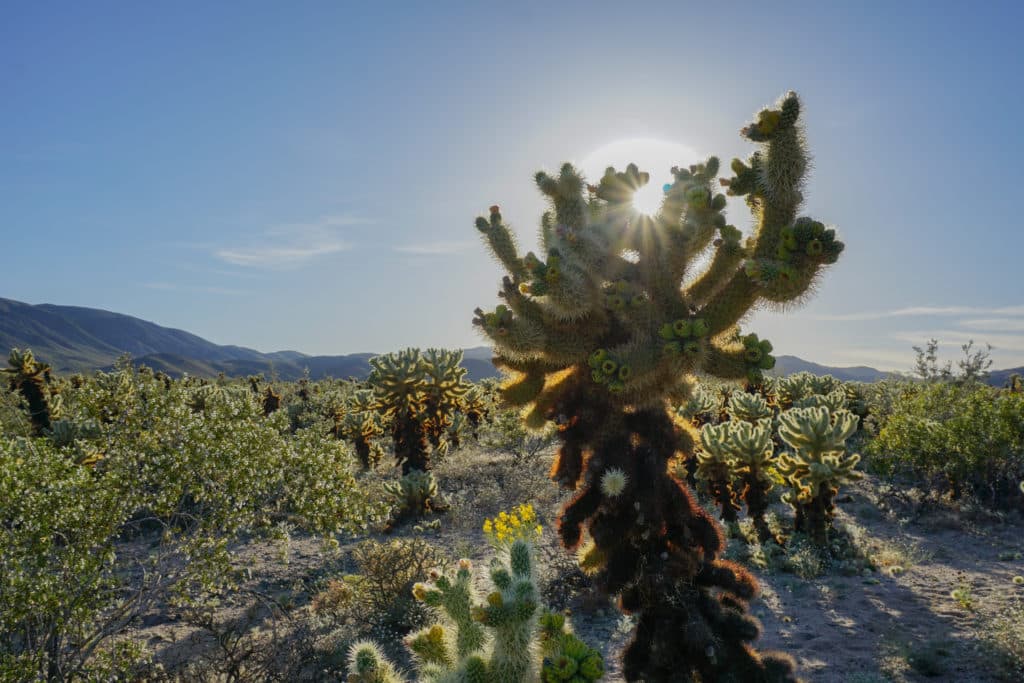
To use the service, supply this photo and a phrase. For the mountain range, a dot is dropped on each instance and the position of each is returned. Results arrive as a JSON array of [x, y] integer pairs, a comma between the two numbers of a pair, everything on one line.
[[77, 339]]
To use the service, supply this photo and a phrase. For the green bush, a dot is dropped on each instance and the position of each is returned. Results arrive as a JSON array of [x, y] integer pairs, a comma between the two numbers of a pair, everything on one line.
[[959, 438], [190, 476]]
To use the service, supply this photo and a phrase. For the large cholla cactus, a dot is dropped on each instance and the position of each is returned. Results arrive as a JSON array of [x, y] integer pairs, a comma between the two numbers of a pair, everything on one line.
[[28, 377], [607, 326], [818, 465], [502, 639]]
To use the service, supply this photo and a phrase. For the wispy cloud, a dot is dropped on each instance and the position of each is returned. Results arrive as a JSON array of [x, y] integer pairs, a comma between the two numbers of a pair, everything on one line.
[[1002, 342], [434, 248], [923, 311], [174, 287], [994, 324], [291, 245]]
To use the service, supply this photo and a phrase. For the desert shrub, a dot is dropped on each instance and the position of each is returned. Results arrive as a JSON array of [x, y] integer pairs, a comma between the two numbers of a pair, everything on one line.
[[1003, 640], [382, 590], [958, 438], [191, 476], [506, 433]]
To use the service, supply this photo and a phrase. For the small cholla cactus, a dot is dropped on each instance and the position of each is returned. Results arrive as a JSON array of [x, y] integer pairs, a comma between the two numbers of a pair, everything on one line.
[[817, 466], [716, 467], [603, 330], [27, 377], [753, 451], [367, 664], [501, 639], [414, 494]]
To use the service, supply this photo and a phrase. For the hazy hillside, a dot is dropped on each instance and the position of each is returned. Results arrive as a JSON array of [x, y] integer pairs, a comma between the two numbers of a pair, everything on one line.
[[77, 339], [787, 365]]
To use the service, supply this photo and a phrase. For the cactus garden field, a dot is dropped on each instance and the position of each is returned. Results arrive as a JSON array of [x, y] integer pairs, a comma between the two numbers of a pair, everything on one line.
[[639, 498]]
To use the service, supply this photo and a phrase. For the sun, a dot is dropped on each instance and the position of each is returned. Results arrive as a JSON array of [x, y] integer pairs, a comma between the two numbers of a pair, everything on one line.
[[657, 157]]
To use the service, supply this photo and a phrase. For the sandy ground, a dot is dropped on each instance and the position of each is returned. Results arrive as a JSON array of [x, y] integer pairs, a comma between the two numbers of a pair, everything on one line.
[[887, 625]]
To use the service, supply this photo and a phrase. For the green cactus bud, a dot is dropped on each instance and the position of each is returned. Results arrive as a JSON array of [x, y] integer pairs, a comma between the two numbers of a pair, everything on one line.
[[624, 372], [667, 331], [718, 203]]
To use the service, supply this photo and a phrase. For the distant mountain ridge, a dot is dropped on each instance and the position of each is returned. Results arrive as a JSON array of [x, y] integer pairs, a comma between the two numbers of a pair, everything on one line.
[[79, 339]]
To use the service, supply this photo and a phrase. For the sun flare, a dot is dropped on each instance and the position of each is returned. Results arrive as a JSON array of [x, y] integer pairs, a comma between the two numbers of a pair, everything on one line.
[[657, 157]]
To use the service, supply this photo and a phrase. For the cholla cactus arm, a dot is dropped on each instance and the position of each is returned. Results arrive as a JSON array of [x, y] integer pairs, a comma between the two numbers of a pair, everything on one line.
[[606, 326], [816, 430], [748, 407]]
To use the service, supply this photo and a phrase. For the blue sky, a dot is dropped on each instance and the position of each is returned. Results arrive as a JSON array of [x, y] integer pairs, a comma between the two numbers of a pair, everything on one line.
[[305, 175]]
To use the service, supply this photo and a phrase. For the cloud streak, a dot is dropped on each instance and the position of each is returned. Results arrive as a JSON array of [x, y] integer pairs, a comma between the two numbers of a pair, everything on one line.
[[288, 246], [434, 248], [923, 311]]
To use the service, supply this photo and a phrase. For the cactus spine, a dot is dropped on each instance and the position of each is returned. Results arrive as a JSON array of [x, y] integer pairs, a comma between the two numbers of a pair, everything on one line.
[[599, 332]]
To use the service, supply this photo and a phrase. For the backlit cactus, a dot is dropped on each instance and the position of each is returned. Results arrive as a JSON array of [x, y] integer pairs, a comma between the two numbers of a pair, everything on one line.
[[605, 327], [419, 393], [397, 380], [716, 468], [444, 390], [752, 449], [818, 465], [360, 424]]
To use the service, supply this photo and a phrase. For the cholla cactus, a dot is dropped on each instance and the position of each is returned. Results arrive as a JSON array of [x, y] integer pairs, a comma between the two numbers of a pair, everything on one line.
[[752, 449], [497, 640], [600, 334], [360, 424], [271, 401], [419, 393], [818, 465], [716, 468], [749, 407], [699, 409], [28, 377], [445, 390], [414, 494], [397, 380], [367, 664]]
